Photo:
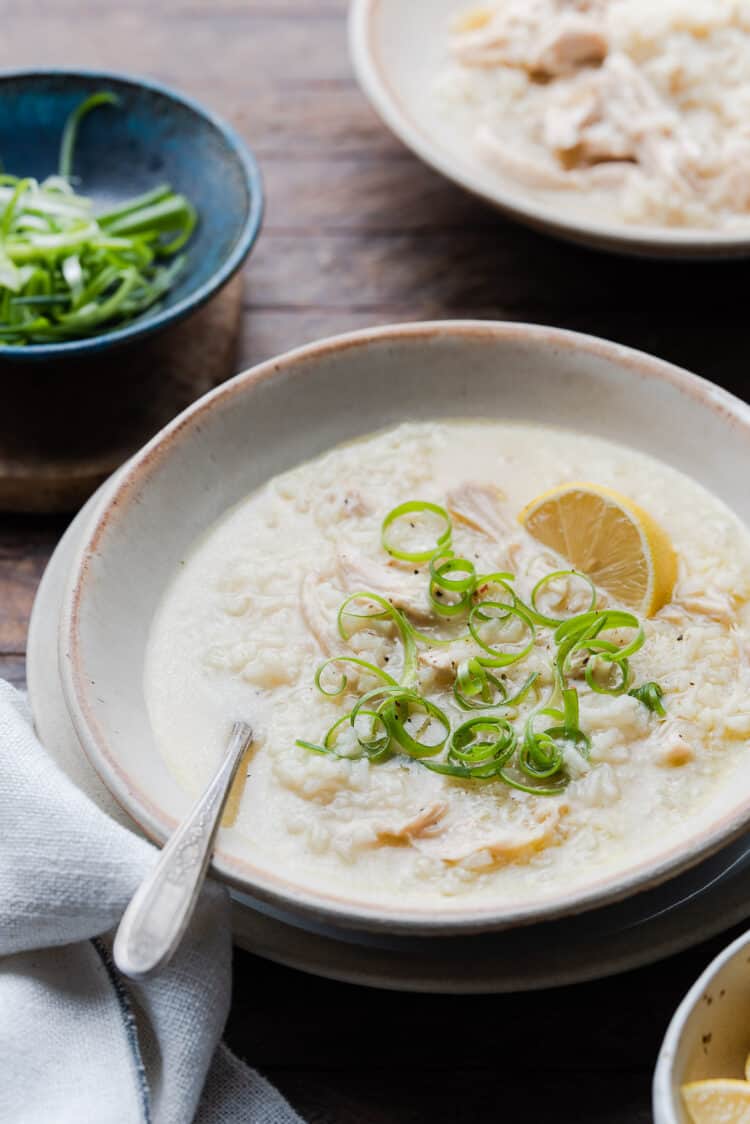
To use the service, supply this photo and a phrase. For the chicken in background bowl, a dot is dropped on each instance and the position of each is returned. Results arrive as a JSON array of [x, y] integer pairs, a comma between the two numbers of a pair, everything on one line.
[[630, 109]]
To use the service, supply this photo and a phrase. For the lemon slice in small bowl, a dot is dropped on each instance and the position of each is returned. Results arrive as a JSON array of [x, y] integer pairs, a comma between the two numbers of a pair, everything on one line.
[[720, 1100], [608, 537]]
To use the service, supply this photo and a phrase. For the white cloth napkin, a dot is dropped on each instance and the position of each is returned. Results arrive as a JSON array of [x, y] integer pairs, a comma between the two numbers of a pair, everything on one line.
[[78, 1042]]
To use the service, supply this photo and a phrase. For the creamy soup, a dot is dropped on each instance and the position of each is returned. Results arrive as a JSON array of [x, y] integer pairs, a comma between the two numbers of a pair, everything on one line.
[[627, 109], [394, 808]]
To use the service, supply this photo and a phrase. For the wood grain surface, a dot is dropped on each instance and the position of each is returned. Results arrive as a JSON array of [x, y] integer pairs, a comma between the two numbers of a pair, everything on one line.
[[96, 411], [358, 233]]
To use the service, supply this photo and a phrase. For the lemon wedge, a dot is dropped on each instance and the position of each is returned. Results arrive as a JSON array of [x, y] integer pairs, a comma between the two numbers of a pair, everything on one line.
[[721, 1100], [608, 537]]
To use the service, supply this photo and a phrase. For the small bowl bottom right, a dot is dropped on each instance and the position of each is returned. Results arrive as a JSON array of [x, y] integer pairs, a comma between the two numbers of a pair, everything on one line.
[[709, 1035]]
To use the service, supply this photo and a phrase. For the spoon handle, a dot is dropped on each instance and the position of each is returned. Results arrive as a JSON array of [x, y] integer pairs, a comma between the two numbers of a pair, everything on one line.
[[157, 916]]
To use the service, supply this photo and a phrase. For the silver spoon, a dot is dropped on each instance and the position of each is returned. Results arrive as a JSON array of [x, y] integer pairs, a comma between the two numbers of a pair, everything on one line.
[[153, 924]]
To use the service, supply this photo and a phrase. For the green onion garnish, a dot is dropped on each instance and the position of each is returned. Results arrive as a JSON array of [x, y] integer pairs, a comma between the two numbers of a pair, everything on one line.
[[650, 694], [557, 575], [370, 668], [393, 717], [398, 711], [66, 272], [417, 507], [384, 612], [476, 688], [472, 756], [454, 577], [497, 612]]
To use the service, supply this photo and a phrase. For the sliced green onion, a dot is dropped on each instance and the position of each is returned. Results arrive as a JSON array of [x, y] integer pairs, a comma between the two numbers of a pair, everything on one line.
[[400, 709], [475, 686], [650, 694], [370, 668], [385, 611], [500, 578], [540, 756], [70, 132], [484, 747], [469, 748], [312, 746], [583, 633], [522, 691], [493, 657], [375, 748], [443, 579], [417, 507], [513, 781], [94, 271], [557, 575], [618, 665]]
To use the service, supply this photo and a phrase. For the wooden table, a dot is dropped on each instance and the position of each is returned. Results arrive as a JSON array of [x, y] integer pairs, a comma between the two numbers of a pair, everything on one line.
[[358, 233]]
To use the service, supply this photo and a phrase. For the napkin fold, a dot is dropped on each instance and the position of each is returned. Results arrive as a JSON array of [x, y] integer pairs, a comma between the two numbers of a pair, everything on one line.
[[78, 1042]]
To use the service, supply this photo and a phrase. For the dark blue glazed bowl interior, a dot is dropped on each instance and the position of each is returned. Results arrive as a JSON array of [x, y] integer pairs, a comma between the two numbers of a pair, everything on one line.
[[153, 136]]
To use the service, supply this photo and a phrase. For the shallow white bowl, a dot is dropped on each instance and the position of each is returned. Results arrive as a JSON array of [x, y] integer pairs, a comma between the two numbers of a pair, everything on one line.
[[292, 408], [709, 1035], [398, 48]]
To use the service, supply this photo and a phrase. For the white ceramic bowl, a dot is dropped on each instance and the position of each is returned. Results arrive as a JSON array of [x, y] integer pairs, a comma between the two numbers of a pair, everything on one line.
[[292, 408], [398, 48], [709, 1035]]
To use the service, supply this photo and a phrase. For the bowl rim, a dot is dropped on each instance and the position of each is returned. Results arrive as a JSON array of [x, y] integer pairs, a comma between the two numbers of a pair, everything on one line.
[[245, 241], [344, 911], [663, 1091], [373, 77]]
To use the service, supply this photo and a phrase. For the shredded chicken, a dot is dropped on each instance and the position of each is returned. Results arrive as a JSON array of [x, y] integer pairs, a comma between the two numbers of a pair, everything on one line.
[[340, 503], [403, 588], [320, 621], [692, 598], [717, 607], [518, 165], [674, 748], [497, 850], [424, 824], [646, 99], [352, 572], [542, 37], [576, 40], [480, 507]]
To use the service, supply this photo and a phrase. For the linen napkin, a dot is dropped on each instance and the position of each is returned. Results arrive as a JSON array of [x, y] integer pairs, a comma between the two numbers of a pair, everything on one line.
[[78, 1042]]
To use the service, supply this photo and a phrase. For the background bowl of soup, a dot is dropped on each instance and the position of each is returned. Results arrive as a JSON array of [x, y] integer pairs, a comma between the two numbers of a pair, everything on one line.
[[292, 409]]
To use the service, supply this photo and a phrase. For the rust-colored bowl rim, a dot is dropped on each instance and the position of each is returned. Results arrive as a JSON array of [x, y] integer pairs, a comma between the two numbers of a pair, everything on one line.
[[345, 911]]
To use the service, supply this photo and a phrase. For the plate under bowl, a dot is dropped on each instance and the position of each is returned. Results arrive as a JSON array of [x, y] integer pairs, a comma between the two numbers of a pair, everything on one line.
[[294, 407]]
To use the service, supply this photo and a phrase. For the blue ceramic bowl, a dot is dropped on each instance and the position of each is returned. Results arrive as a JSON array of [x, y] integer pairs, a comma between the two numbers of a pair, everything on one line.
[[154, 135]]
